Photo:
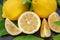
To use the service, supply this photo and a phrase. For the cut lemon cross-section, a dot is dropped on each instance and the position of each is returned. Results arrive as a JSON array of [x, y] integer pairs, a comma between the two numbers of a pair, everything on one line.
[[11, 28], [45, 29], [29, 22], [52, 18]]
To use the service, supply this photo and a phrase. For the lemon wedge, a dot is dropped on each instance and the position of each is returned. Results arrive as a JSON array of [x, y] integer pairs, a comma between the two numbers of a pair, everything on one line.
[[11, 28]]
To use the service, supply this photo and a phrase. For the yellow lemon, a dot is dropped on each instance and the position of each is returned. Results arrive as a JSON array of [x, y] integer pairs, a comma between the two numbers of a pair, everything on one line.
[[12, 9], [29, 22], [44, 7]]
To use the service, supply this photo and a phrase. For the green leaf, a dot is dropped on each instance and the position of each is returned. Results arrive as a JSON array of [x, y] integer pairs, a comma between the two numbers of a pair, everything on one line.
[[57, 23], [2, 24], [2, 28], [31, 8], [26, 1], [56, 37], [28, 37], [4, 1], [58, 2], [29, 2]]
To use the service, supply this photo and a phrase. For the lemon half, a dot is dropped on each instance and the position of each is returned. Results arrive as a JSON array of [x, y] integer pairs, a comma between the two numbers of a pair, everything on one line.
[[52, 18], [29, 22]]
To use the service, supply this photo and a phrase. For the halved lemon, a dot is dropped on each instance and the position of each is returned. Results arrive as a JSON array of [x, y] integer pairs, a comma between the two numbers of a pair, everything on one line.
[[29, 22], [11, 28], [52, 18], [45, 29]]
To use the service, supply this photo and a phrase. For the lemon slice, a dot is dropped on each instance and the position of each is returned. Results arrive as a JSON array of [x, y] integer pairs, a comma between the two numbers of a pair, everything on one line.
[[11, 28], [29, 22], [52, 18], [45, 29]]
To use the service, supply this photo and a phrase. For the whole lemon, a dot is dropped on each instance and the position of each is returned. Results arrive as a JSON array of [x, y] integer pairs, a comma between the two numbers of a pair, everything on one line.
[[12, 9], [44, 7]]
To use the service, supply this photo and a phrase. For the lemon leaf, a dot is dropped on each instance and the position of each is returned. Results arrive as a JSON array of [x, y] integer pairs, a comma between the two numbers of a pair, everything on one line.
[[4, 1], [58, 2], [31, 7], [2, 28], [26, 1], [29, 2], [2, 24], [56, 37], [28, 37], [57, 23]]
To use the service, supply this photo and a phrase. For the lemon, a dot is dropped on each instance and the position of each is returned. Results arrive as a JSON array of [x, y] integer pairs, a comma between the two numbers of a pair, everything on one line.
[[11, 28], [52, 18], [29, 22], [45, 29], [44, 7], [12, 9]]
